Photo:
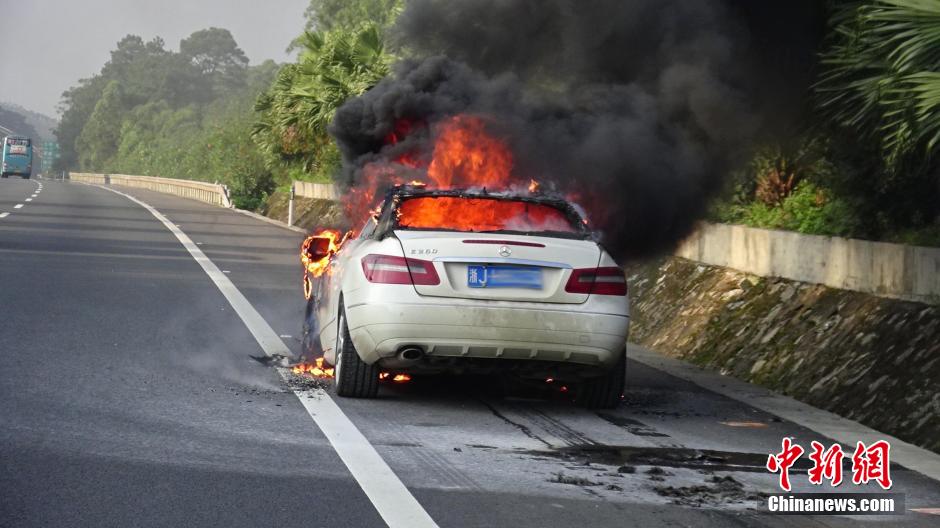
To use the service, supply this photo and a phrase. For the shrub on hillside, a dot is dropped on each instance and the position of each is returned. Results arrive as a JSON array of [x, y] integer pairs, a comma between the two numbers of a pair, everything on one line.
[[808, 209]]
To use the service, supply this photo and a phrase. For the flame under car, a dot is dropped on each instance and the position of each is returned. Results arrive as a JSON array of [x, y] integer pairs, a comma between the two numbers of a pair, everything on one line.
[[468, 281]]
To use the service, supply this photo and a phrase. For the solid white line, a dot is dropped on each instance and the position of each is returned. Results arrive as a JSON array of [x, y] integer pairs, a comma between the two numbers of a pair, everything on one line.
[[263, 334], [4, 215], [391, 498], [830, 425], [18, 206], [388, 493]]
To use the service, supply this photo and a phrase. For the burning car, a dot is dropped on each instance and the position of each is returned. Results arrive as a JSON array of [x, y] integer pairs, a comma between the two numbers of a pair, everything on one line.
[[460, 281]]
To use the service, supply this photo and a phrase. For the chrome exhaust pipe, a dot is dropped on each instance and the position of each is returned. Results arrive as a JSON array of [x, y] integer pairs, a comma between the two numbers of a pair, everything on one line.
[[410, 354]]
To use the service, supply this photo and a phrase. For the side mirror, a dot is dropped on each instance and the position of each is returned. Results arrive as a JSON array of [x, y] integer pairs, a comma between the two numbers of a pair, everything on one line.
[[317, 249]]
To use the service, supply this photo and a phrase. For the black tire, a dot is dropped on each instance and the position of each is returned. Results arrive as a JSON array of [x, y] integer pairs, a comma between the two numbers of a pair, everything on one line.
[[604, 392], [354, 378], [4, 175], [26, 176]]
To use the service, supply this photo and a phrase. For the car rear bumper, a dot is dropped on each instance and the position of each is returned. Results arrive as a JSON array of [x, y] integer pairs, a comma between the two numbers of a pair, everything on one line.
[[380, 330]]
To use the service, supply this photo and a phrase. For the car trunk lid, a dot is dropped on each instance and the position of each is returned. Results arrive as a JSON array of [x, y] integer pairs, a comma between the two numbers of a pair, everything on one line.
[[500, 266]]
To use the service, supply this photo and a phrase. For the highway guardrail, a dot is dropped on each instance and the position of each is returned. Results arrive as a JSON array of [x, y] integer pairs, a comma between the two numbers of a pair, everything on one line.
[[213, 193]]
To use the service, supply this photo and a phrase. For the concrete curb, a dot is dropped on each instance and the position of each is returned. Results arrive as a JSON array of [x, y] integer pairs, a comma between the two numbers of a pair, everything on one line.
[[828, 424]]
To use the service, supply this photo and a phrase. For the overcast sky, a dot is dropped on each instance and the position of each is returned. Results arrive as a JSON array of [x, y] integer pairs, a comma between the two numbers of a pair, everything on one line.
[[47, 45]]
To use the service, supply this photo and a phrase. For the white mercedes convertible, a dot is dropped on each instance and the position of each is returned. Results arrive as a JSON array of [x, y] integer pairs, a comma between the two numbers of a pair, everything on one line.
[[469, 281]]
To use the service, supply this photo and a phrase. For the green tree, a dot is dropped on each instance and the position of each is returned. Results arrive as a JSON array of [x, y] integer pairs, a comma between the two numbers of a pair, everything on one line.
[[76, 107], [882, 77], [148, 72], [326, 15], [880, 86], [216, 54], [295, 112], [98, 141]]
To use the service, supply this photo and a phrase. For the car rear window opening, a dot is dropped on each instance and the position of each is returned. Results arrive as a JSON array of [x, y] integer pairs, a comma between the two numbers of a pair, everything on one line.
[[456, 213]]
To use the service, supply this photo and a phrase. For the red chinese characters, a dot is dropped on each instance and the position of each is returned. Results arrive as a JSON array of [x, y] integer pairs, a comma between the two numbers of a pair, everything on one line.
[[827, 464], [781, 462], [869, 463], [872, 463]]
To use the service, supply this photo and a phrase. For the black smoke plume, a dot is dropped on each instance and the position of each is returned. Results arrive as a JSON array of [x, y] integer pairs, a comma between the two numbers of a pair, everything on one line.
[[637, 108]]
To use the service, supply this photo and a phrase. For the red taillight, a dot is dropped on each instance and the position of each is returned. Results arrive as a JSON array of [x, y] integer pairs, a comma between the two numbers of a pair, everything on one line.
[[599, 281], [387, 269]]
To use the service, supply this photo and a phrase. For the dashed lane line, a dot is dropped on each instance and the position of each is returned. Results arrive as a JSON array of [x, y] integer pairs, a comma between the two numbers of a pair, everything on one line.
[[18, 206], [394, 503]]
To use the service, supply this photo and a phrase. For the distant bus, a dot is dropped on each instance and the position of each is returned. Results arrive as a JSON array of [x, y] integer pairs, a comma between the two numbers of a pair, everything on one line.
[[17, 157]]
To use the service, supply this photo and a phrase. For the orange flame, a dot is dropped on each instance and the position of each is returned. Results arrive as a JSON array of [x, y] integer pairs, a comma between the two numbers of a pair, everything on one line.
[[480, 214], [315, 369], [465, 155], [397, 378], [320, 266]]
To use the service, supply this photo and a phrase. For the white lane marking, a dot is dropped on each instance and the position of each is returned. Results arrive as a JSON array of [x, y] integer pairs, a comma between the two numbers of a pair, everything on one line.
[[18, 206], [4, 215], [388, 493], [830, 425], [391, 498], [28, 200]]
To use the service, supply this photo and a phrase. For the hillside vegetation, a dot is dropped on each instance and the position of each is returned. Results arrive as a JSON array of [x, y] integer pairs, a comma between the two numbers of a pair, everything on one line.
[[863, 164]]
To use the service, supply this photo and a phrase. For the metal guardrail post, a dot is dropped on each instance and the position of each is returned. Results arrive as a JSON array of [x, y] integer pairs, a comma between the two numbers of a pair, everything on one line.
[[290, 206]]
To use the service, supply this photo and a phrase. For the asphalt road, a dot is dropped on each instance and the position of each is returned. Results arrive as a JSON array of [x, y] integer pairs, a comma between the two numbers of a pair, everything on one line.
[[130, 398]]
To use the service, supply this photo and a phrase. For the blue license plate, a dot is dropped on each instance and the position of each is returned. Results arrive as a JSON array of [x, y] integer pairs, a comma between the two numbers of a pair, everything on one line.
[[504, 277]]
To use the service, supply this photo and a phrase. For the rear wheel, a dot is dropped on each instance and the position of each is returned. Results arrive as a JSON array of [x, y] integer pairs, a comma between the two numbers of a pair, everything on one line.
[[354, 378], [4, 175], [606, 391]]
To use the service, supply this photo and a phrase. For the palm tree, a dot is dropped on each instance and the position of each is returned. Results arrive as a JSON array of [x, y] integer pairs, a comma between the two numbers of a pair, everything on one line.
[[882, 77], [295, 112]]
